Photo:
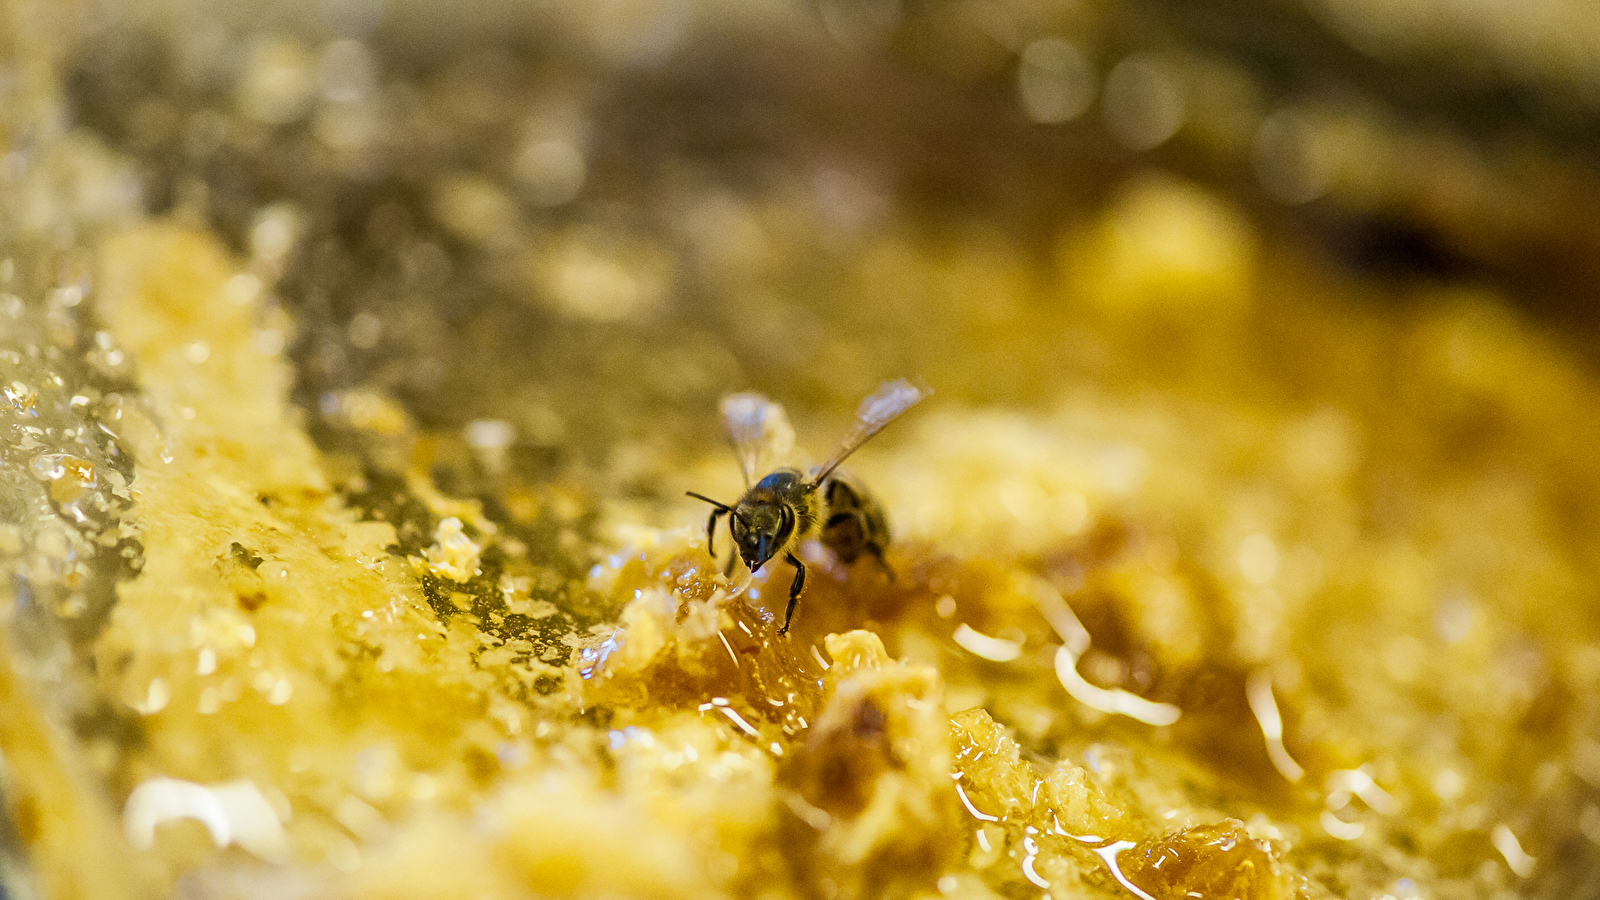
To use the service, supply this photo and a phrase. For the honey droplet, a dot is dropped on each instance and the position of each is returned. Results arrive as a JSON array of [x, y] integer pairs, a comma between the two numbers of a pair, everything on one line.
[[1221, 860]]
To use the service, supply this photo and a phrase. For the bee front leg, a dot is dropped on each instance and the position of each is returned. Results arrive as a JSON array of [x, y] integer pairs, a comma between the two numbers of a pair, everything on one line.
[[711, 531], [794, 590]]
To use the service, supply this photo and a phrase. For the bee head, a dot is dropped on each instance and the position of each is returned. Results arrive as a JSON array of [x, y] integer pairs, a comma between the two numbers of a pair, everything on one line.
[[761, 527]]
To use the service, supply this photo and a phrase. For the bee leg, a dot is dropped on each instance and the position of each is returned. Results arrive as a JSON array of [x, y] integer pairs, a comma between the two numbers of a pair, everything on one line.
[[733, 559], [794, 590], [711, 531], [877, 554]]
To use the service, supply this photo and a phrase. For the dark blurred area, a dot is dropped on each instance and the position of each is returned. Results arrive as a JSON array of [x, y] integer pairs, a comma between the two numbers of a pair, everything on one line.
[[702, 167]]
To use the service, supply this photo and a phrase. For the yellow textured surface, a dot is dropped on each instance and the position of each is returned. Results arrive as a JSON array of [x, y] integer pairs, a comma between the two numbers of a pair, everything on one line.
[[1198, 551]]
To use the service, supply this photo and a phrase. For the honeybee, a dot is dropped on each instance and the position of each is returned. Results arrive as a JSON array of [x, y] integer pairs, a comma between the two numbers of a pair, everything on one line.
[[788, 506]]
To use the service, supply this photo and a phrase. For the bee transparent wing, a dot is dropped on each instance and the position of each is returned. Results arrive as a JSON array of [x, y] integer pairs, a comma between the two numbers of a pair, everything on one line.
[[875, 412], [759, 430]]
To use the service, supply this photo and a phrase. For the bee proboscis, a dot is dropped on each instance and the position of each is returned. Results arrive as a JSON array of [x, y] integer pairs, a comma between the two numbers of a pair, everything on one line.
[[787, 506]]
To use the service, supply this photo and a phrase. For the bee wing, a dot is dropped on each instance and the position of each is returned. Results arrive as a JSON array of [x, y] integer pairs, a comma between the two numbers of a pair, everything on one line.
[[877, 411], [759, 430]]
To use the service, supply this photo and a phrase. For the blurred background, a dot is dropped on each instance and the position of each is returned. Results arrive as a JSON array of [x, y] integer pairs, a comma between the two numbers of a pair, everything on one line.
[[669, 199]]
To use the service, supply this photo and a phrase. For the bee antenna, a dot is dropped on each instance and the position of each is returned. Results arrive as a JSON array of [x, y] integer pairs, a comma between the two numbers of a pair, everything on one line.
[[722, 506]]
